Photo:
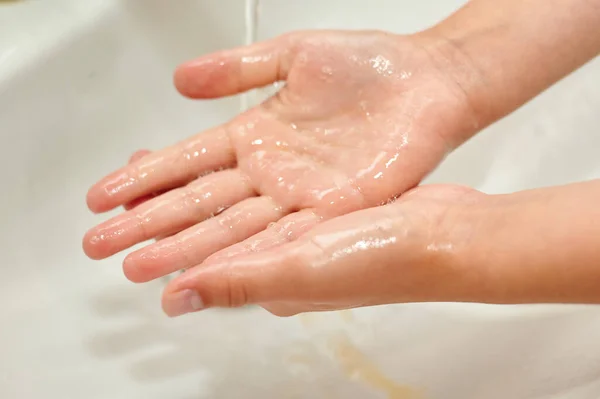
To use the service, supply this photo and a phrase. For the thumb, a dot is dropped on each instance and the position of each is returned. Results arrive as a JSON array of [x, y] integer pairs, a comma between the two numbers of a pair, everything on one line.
[[275, 275], [237, 70]]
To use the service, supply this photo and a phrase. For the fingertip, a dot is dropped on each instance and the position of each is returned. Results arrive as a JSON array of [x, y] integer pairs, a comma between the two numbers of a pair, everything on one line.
[[146, 265], [180, 77], [98, 200], [131, 270], [93, 200], [94, 245], [182, 302], [238, 281], [187, 82], [205, 77]]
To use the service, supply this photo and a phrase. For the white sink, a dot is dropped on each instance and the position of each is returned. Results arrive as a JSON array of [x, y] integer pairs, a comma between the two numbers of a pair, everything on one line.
[[84, 84]]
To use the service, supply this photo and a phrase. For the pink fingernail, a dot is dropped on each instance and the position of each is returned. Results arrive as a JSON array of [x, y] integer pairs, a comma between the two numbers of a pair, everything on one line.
[[182, 302]]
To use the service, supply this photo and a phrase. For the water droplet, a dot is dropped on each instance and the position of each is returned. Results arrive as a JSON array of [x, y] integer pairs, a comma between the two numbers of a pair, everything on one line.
[[381, 64], [327, 70], [392, 160], [257, 142], [255, 59]]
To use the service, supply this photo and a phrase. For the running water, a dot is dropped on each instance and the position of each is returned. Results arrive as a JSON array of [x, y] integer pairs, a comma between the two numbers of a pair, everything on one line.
[[252, 97], [255, 97], [251, 16]]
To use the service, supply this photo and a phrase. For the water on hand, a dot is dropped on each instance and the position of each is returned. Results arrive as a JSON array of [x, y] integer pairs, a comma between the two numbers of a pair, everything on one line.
[[252, 17]]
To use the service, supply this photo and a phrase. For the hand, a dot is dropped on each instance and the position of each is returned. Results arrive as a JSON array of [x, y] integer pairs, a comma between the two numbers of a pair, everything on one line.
[[405, 251], [433, 244], [363, 117]]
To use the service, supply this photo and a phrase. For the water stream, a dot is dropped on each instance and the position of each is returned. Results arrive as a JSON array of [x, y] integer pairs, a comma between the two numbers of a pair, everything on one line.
[[251, 23]]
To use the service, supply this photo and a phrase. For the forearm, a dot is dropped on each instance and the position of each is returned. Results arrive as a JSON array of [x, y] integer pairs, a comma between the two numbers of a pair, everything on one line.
[[538, 246], [503, 53]]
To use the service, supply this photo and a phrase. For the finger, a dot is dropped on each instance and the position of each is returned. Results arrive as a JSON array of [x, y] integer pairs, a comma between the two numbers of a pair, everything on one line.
[[235, 282], [134, 158], [346, 262], [277, 233], [175, 210], [163, 170], [234, 71], [194, 245]]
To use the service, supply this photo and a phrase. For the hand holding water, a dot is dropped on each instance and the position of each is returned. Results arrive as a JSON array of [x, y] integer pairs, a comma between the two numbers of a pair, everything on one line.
[[363, 117], [281, 206]]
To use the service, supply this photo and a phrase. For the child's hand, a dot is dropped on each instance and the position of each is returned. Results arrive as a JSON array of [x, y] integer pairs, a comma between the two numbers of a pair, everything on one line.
[[362, 118], [434, 244], [408, 251]]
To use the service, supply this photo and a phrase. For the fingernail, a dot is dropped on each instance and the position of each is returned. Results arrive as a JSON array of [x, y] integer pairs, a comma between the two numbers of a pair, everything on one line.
[[182, 302]]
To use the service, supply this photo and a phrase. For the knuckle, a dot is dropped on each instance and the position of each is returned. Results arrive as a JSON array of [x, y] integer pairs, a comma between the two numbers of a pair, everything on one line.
[[142, 224], [314, 254], [236, 292], [133, 172]]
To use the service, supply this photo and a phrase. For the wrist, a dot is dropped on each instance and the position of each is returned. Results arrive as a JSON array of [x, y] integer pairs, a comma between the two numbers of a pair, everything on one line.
[[534, 246], [464, 78], [502, 57]]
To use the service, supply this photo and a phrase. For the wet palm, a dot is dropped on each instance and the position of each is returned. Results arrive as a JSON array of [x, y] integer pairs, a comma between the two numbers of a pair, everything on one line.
[[362, 118]]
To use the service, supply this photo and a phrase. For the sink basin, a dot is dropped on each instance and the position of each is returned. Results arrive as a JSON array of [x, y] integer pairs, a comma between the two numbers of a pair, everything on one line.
[[84, 84]]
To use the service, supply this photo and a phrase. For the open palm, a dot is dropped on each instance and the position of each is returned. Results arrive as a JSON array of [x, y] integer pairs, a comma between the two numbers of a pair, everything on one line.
[[363, 117]]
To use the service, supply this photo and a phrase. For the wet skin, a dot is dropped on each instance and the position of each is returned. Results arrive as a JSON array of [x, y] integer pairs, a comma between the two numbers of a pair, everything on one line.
[[291, 204], [362, 118]]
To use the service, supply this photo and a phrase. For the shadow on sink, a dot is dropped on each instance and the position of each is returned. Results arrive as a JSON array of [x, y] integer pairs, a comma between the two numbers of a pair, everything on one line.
[[237, 353]]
